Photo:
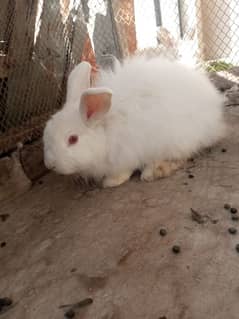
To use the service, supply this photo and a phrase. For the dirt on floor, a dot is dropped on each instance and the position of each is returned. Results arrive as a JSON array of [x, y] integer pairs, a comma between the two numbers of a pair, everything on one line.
[[60, 244]]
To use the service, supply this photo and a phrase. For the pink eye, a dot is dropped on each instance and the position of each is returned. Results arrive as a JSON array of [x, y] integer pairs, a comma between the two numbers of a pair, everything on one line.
[[73, 139]]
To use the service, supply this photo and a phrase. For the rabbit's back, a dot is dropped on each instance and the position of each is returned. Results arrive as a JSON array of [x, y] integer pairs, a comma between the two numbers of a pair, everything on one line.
[[169, 110], [171, 83]]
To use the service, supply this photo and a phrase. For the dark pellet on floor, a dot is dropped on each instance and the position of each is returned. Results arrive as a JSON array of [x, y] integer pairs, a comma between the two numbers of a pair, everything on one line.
[[73, 270], [235, 218], [4, 217], [232, 230], [227, 206], [233, 210], [163, 232], [3, 244], [224, 150], [70, 314], [84, 302], [190, 176], [163, 317], [176, 249], [80, 304], [5, 302], [237, 248]]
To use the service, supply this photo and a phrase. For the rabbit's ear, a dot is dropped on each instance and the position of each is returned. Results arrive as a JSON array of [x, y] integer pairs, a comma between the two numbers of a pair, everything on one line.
[[78, 82], [95, 103]]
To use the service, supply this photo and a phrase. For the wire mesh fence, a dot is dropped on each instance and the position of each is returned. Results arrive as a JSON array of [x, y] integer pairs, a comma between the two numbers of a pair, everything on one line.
[[40, 42]]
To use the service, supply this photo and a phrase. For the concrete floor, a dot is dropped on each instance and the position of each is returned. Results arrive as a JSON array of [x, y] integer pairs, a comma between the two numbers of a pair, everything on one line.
[[64, 245]]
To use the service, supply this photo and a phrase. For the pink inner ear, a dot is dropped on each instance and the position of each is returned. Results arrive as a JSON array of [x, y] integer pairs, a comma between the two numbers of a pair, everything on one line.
[[96, 103], [89, 113]]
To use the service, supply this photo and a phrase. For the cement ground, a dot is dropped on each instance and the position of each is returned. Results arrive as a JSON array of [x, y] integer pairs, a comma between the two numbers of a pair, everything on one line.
[[63, 244]]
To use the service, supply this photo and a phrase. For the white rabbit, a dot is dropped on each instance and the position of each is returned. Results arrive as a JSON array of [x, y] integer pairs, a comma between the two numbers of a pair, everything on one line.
[[149, 114]]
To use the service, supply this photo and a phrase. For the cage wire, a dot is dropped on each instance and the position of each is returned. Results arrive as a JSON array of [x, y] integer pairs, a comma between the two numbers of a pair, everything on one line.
[[41, 41]]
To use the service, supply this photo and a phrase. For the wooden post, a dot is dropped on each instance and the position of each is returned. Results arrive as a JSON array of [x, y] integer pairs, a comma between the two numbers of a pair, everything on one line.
[[125, 22], [19, 56]]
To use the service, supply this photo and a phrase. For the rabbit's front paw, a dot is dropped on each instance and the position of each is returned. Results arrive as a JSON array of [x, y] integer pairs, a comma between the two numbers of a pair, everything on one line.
[[159, 170], [147, 174], [113, 181]]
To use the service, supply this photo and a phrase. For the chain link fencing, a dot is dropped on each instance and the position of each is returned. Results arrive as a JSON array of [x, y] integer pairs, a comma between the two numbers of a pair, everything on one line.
[[41, 41]]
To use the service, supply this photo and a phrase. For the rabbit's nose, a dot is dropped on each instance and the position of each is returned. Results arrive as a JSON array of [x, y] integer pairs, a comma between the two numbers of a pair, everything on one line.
[[49, 163], [49, 166]]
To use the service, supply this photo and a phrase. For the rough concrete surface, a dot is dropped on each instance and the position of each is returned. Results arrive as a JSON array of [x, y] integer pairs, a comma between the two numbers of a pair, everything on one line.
[[64, 245]]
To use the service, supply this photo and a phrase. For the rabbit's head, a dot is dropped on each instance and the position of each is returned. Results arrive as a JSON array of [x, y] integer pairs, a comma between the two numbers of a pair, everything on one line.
[[74, 137]]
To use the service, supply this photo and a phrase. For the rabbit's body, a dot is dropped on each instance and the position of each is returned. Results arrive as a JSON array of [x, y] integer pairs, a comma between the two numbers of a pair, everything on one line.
[[161, 114]]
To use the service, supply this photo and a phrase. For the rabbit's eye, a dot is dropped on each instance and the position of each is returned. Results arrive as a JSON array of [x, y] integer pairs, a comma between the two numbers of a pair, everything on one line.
[[73, 139]]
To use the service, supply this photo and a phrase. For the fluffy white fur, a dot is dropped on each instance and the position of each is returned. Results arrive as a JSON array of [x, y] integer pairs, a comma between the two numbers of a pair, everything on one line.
[[160, 111]]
